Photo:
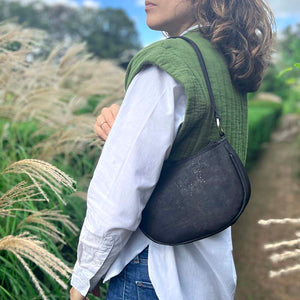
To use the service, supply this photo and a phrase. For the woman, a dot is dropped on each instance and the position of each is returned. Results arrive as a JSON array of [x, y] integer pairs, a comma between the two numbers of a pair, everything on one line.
[[166, 115]]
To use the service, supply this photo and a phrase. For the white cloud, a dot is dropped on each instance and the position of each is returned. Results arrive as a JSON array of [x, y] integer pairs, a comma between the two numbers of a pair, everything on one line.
[[91, 4], [284, 8], [140, 2], [71, 3]]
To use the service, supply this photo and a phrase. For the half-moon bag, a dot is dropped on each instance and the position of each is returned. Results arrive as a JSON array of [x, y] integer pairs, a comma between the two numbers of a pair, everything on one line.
[[200, 195]]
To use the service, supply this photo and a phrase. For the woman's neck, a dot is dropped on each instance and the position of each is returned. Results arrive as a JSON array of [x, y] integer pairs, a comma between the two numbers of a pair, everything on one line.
[[179, 31], [183, 31]]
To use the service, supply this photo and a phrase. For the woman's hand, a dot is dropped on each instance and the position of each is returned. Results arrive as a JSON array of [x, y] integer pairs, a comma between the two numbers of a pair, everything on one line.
[[105, 121], [75, 295]]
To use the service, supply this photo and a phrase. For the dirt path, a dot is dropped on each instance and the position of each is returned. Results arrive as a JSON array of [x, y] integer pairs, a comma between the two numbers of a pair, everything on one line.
[[275, 182]]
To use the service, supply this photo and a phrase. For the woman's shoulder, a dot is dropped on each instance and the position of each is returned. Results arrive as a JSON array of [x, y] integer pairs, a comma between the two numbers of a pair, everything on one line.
[[157, 50], [174, 55], [167, 54]]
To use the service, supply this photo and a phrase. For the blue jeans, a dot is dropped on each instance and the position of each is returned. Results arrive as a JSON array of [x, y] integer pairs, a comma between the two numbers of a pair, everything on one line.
[[133, 283]]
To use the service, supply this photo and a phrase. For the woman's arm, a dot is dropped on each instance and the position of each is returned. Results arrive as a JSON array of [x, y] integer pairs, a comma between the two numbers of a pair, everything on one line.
[[127, 172]]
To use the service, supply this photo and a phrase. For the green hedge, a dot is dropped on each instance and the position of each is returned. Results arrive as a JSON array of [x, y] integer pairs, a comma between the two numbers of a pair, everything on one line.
[[263, 118]]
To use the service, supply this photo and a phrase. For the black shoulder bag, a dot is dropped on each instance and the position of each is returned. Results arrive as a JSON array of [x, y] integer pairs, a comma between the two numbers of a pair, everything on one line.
[[200, 195]]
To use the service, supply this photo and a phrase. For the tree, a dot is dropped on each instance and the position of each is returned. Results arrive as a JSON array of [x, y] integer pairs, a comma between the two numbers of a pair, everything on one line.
[[108, 32], [290, 45]]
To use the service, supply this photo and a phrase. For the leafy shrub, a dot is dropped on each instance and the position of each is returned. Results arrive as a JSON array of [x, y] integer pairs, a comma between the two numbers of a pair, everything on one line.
[[263, 117]]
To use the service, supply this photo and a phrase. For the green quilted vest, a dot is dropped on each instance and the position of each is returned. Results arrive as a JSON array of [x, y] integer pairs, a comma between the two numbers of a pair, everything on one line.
[[179, 59]]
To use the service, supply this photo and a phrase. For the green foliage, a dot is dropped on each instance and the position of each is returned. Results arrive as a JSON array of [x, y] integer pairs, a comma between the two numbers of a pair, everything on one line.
[[13, 46], [114, 34], [90, 105], [17, 141], [292, 103], [290, 45], [263, 118], [281, 76]]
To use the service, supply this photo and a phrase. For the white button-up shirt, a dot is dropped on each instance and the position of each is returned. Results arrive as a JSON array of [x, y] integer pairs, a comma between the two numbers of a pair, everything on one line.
[[125, 176]]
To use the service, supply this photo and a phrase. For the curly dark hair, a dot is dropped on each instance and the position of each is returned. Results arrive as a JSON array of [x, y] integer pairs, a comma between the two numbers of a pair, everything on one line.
[[243, 31]]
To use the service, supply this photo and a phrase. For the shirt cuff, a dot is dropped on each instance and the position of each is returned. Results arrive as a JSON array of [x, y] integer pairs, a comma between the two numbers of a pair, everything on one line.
[[88, 270], [80, 279]]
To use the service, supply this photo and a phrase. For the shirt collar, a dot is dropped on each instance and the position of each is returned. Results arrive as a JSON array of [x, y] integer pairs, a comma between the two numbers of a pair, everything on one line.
[[190, 28]]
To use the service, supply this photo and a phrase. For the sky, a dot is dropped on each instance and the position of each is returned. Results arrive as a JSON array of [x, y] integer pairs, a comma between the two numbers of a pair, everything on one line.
[[287, 12]]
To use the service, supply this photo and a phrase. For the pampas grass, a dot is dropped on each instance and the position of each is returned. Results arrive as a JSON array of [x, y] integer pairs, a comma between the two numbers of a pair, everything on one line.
[[43, 217], [48, 92], [26, 246], [30, 247], [282, 256], [41, 172], [285, 271], [75, 137], [21, 192], [52, 90], [279, 221]]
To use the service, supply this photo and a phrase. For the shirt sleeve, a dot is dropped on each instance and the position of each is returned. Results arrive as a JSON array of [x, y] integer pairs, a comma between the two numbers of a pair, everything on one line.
[[127, 171]]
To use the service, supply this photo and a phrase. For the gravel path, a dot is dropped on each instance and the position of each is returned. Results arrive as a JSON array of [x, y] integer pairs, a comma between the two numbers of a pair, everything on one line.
[[275, 182]]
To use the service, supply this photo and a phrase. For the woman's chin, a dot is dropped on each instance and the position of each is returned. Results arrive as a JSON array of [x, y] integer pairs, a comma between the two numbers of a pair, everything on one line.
[[154, 25]]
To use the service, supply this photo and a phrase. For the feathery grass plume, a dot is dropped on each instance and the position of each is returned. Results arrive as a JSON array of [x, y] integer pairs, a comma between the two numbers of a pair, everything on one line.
[[21, 192], [31, 274], [99, 77], [41, 172], [282, 243], [42, 90], [73, 60], [285, 271], [279, 221], [75, 74], [13, 63], [43, 217], [9, 33], [54, 89], [75, 137], [28, 246], [277, 257], [284, 255]]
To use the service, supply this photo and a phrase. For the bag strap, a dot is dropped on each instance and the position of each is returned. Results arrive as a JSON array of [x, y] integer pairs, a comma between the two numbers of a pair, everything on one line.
[[205, 73]]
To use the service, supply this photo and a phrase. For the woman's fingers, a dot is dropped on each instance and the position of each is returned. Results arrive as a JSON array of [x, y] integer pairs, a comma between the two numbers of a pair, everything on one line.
[[105, 121], [103, 125], [100, 132], [108, 116], [75, 295], [115, 109]]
